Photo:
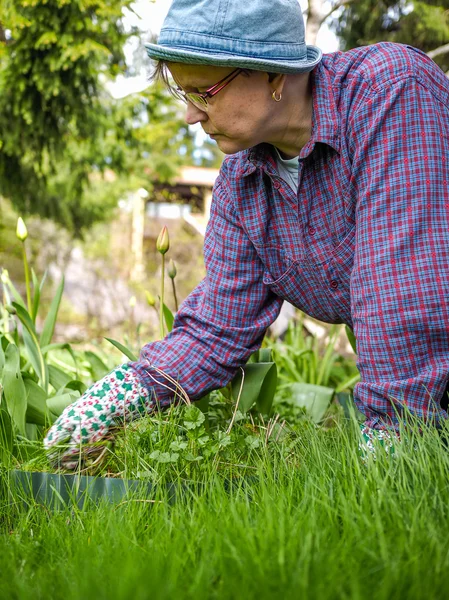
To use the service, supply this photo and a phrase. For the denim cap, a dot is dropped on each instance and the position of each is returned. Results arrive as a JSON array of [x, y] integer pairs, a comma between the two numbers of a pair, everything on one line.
[[264, 35]]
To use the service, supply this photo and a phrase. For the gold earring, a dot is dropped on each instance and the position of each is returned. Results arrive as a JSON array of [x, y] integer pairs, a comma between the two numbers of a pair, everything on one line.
[[276, 98]]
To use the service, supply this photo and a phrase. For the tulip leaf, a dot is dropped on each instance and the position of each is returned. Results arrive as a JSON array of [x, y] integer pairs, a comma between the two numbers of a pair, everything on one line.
[[123, 349], [58, 403], [32, 344], [37, 410], [168, 317], [2, 358], [16, 294], [97, 366], [315, 399], [14, 388], [32, 431], [36, 296], [259, 386], [50, 320], [6, 429], [77, 385], [351, 338], [58, 378]]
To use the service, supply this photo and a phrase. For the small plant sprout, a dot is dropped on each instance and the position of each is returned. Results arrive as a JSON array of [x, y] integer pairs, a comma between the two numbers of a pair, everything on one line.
[[162, 245], [22, 234], [172, 274]]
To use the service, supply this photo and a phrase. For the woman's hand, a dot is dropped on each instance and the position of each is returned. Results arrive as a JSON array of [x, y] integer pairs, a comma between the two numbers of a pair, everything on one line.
[[118, 397]]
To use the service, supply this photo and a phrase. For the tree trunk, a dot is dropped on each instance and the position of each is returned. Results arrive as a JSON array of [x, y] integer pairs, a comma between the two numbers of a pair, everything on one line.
[[315, 18]]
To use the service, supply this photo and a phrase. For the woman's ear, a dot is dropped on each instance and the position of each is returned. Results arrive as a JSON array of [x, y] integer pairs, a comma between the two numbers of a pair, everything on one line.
[[277, 81]]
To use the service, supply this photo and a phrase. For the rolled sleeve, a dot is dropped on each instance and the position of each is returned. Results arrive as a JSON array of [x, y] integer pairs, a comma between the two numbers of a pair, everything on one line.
[[223, 320], [400, 278]]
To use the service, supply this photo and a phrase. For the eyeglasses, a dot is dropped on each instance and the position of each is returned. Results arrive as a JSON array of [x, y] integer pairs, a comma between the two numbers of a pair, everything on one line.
[[199, 99]]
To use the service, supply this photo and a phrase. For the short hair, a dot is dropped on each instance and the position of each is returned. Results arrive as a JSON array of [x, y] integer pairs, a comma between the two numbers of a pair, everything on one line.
[[162, 73]]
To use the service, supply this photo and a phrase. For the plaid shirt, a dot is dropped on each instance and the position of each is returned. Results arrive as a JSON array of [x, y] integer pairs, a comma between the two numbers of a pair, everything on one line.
[[364, 242]]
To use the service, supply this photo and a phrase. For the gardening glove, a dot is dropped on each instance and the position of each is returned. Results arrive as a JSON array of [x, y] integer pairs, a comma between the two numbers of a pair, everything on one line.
[[373, 441], [116, 398]]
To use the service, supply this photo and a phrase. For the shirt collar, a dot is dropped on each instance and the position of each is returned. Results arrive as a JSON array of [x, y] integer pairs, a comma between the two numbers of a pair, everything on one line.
[[325, 123]]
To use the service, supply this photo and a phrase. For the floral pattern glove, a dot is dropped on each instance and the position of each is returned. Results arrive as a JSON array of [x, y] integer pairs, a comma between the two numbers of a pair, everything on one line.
[[118, 397]]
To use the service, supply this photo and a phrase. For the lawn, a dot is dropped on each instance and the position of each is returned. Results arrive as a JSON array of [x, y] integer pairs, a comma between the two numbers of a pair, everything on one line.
[[304, 517]]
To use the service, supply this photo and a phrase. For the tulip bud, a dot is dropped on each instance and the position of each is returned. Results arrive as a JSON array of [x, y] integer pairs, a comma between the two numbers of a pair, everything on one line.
[[163, 241], [171, 271], [150, 299], [21, 231], [5, 276]]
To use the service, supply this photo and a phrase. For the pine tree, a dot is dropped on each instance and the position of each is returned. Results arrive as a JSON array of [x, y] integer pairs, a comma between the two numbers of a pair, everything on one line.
[[424, 25]]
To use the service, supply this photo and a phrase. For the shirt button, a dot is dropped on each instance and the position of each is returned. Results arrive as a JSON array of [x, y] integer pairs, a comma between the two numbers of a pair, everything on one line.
[[277, 185], [334, 284], [312, 230]]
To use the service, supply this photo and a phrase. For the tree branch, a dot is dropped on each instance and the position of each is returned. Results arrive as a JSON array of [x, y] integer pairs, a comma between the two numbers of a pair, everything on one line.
[[440, 50], [336, 6], [2, 34]]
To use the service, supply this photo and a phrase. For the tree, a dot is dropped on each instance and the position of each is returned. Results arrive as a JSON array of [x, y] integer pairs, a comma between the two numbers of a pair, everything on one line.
[[424, 25], [52, 56], [319, 11], [60, 129]]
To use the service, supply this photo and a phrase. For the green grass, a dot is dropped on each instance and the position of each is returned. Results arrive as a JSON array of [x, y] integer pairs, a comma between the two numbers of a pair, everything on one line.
[[312, 522]]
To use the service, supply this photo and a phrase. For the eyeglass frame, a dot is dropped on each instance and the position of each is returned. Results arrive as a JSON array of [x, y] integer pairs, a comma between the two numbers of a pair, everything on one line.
[[199, 99]]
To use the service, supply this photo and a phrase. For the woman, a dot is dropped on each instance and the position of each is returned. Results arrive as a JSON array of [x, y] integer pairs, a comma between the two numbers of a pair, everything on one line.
[[333, 196]]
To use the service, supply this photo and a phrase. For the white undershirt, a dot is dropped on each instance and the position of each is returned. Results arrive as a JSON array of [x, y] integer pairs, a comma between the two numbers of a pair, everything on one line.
[[288, 169]]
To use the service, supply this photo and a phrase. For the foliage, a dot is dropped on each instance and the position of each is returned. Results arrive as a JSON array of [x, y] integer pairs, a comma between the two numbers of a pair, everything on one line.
[[34, 390], [311, 373], [51, 61], [309, 520], [59, 128], [424, 25]]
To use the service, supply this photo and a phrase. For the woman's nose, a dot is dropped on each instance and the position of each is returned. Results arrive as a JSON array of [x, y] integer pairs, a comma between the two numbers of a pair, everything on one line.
[[194, 114]]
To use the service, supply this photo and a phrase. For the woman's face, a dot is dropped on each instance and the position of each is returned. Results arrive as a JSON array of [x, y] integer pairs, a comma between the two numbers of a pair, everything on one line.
[[241, 115]]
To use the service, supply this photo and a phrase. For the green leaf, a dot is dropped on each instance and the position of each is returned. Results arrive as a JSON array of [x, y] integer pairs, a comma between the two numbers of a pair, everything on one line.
[[351, 338], [350, 410], [259, 386], [2, 357], [58, 378], [265, 355], [37, 410], [58, 403], [36, 295], [97, 366], [32, 431], [35, 356], [6, 430], [32, 345], [61, 346], [77, 385], [314, 398], [168, 317], [123, 349], [203, 403], [49, 324], [16, 294], [14, 388], [193, 417]]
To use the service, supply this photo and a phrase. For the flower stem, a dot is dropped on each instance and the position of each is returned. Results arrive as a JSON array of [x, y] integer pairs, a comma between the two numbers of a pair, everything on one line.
[[27, 279], [161, 308], [174, 294]]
